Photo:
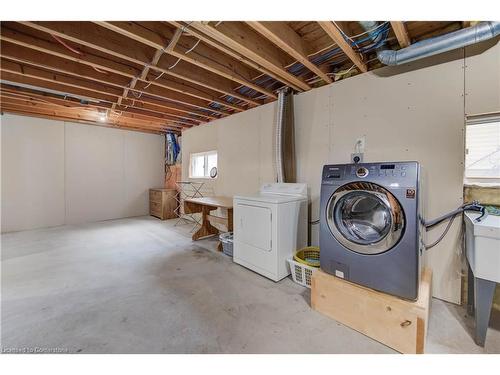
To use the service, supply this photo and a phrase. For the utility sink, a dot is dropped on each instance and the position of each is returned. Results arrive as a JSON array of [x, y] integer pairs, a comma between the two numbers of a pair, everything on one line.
[[482, 243], [483, 246]]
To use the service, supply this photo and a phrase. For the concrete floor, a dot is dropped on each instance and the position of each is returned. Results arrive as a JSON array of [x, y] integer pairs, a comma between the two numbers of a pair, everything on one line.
[[140, 285]]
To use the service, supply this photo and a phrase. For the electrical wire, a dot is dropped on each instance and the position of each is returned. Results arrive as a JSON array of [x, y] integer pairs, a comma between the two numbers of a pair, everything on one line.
[[341, 73], [67, 45], [384, 25], [371, 30], [193, 47], [100, 70]]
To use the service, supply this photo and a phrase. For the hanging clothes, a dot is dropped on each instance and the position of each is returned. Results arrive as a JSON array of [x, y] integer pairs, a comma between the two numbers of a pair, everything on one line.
[[172, 148]]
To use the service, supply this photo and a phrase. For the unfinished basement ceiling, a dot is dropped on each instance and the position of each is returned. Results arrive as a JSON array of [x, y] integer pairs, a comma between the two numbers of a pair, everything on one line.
[[167, 76]]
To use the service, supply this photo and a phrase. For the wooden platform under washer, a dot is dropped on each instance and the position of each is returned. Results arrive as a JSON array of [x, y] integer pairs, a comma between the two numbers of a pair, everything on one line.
[[397, 323]]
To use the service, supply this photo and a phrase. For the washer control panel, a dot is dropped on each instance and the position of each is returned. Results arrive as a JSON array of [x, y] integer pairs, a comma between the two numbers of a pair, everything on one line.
[[397, 171]]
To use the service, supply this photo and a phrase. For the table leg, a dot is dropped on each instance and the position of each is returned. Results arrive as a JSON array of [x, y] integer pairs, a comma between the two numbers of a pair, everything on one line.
[[470, 291], [484, 290], [206, 229]]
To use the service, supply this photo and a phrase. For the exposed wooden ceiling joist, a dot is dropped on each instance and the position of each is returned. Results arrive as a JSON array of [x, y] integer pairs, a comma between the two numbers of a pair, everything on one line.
[[106, 92], [109, 42], [399, 29], [337, 37], [98, 98], [71, 117], [201, 56], [248, 42], [93, 61], [228, 51], [68, 101], [289, 41], [35, 105], [56, 64]]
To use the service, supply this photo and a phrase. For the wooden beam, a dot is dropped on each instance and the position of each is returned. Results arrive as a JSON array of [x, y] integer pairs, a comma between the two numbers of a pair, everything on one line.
[[401, 33], [33, 103], [153, 105], [98, 98], [28, 94], [337, 37], [228, 51], [217, 64], [106, 90], [153, 63], [173, 41], [17, 77], [93, 115], [53, 115], [247, 42], [92, 61], [29, 71], [109, 42], [129, 114], [289, 41], [203, 56]]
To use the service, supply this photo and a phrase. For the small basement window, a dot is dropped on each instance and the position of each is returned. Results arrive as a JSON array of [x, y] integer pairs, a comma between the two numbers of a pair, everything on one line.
[[201, 163], [482, 150]]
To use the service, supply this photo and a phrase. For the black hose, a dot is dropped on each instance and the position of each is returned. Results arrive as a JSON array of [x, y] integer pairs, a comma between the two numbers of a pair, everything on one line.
[[448, 226], [474, 206]]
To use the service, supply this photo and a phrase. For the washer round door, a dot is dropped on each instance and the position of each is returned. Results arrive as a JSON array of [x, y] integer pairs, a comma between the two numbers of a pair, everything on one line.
[[365, 218]]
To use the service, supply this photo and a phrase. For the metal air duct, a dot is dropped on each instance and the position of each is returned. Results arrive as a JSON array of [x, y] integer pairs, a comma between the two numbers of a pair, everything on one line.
[[432, 46]]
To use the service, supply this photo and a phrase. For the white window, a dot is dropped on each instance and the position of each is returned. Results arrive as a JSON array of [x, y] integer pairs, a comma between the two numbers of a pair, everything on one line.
[[482, 150], [201, 163]]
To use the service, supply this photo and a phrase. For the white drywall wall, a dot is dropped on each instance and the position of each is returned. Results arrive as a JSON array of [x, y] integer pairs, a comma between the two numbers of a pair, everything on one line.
[[413, 112], [56, 173], [32, 173]]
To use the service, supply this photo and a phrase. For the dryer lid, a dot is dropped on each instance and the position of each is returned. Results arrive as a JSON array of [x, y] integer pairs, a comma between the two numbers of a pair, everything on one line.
[[278, 193], [284, 188]]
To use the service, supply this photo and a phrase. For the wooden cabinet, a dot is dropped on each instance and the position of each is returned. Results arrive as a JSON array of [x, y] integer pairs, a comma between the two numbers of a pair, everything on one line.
[[162, 203]]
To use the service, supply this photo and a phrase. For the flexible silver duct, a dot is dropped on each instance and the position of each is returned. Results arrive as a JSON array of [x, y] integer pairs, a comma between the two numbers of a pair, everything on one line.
[[278, 142], [432, 46]]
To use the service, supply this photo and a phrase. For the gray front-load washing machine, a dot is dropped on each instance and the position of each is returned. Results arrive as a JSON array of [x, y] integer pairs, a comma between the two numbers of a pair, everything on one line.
[[370, 227]]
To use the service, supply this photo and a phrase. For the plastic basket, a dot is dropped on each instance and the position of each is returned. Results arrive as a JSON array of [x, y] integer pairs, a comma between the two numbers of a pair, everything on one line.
[[301, 273], [308, 256], [227, 243]]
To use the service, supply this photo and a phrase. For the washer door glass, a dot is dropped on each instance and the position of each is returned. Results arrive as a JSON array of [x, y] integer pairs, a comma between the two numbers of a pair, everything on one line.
[[365, 218]]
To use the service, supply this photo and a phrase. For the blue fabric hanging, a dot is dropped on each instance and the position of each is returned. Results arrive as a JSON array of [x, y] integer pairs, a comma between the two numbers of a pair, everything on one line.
[[172, 148]]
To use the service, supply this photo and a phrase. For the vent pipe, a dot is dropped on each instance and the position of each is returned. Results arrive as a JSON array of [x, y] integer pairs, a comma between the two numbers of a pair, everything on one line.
[[285, 138], [432, 46], [278, 142]]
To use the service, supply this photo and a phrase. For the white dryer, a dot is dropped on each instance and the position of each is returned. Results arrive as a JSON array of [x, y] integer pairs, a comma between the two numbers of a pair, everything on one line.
[[269, 227]]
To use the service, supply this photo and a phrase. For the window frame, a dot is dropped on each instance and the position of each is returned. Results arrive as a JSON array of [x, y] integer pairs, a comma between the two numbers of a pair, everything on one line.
[[478, 120], [206, 172]]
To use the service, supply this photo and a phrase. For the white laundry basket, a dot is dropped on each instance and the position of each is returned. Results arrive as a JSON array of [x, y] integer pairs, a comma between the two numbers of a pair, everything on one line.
[[301, 273], [227, 243]]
